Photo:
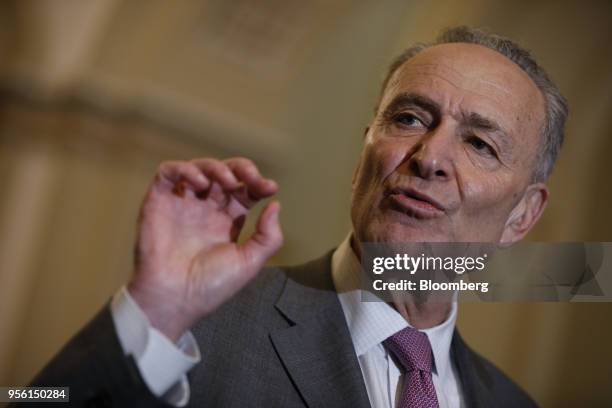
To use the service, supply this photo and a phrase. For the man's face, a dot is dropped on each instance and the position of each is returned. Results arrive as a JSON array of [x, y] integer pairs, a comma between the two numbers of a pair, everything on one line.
[[451, 152]]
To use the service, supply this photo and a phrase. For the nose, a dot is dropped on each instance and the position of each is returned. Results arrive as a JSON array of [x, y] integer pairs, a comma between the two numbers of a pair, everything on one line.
[[432, 156]]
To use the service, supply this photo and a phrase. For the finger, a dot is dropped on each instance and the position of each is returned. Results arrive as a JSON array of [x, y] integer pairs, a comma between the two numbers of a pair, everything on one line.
[[266, 239], [246, 171], [177, 173], [245, 198], [216, 194], [218, 171]]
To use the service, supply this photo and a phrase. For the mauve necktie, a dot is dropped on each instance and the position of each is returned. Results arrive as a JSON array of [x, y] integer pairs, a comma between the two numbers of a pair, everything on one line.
[[413, 351]]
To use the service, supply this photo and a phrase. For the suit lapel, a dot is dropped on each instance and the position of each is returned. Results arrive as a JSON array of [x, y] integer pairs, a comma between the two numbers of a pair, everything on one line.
[[317, 350], [475, 383]]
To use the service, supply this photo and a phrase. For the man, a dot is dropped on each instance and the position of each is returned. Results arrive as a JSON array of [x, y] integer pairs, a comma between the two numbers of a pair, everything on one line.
[[465, 134]]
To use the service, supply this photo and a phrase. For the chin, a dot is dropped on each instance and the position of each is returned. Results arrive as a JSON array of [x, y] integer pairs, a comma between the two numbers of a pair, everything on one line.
[[383, 230]]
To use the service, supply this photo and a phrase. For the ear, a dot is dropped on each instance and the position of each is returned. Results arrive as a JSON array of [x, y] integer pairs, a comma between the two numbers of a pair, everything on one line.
[[358, 166], [525, 214]]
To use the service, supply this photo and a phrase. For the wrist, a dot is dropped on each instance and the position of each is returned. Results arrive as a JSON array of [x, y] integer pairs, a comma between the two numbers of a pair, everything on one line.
[[164, 311]]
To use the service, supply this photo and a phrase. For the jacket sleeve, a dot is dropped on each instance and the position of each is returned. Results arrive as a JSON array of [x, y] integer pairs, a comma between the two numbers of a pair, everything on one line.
[[96, 369]]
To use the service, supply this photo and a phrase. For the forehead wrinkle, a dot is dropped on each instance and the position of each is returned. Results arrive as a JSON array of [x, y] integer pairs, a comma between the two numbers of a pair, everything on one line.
[[468, 83], [434, 69]]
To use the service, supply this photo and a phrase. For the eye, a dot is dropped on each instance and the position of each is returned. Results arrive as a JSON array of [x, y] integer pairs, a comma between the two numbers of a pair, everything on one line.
[[481, 146], [409, 120]]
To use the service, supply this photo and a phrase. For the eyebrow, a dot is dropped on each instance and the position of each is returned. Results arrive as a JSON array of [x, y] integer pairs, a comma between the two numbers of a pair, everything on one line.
[[403, 100], [471, 120], [475, 120]]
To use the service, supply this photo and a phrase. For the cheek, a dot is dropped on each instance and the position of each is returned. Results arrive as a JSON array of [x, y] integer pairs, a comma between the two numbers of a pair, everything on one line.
[[379, 160], [488, 200]]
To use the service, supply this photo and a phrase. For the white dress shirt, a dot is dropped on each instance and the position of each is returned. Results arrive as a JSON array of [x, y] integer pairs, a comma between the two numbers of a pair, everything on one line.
[[163, 365], [371, 322]]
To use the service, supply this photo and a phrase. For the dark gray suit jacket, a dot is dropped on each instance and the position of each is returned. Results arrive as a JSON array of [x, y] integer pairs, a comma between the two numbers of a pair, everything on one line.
[[282, 341]]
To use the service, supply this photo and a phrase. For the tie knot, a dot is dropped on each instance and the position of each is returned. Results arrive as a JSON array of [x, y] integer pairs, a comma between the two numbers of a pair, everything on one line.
[[411, 348]]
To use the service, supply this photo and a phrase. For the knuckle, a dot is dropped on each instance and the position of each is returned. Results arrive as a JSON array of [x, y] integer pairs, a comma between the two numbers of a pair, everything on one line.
[[165, 169], [203, 162], [274, 240], [244, 163], [224, 171], [218, 167], [279, 242], [215, 167], [192, 167], [239, 159], [163, 166]]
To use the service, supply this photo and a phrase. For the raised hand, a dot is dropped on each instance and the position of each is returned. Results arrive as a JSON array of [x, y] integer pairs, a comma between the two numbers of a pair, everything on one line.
[[187, 260]]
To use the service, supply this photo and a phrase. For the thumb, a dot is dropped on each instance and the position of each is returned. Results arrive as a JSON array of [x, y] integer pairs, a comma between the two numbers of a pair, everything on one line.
[[266, 239]]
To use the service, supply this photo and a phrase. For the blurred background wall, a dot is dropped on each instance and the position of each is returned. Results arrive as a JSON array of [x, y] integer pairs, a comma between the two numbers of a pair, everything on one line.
[[94, 94]]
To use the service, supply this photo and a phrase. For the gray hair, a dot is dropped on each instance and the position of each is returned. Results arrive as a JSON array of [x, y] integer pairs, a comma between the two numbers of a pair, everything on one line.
[[556, 105]]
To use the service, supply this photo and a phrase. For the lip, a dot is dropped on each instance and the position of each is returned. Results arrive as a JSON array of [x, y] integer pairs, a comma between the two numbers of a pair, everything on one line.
[[414, 202]]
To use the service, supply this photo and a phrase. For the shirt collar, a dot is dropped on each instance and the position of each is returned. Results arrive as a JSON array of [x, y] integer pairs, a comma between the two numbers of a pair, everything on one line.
[[370, 323]]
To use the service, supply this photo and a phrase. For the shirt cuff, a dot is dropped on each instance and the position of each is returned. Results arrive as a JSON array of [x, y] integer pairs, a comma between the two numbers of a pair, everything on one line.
[[162, 363]]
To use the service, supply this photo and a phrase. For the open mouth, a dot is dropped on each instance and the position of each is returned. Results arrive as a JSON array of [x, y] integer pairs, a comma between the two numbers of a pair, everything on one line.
[[414, 203]]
